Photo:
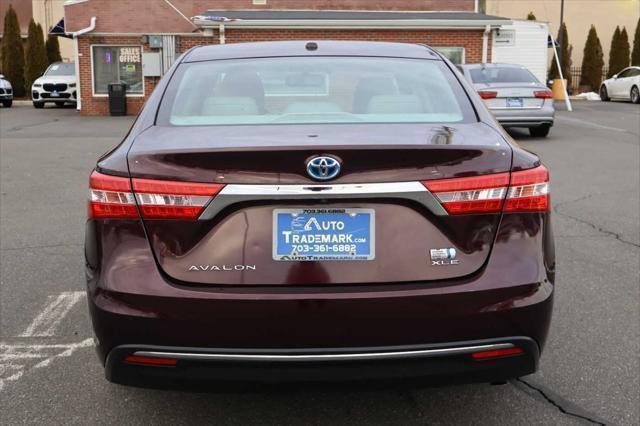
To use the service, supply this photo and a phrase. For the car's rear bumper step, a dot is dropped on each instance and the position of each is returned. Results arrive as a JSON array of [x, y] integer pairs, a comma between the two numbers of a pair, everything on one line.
[[435, 363]]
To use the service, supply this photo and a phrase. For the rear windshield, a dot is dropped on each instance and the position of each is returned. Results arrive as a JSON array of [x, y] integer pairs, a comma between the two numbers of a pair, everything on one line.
[[490, 75], [300, 90], [61, 69]]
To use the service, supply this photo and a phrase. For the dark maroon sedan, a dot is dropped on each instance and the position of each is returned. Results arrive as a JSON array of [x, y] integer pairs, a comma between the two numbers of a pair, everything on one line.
[[318, 210]]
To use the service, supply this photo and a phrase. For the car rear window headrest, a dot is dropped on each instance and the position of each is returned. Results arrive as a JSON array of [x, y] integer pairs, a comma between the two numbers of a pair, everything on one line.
[[311, 107], [230, 105], [395, 104]]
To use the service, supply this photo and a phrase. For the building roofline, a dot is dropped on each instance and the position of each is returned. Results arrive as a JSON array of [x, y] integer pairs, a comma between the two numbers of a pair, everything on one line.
[[411, 24], [346, 19]]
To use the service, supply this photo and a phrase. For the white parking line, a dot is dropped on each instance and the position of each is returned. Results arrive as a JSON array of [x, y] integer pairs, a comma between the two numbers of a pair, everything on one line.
[[57, 308], [13, 358]]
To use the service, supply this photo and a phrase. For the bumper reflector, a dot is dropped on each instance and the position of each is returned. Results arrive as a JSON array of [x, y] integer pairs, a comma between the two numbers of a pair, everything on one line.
[[496, 353], [145, 360]]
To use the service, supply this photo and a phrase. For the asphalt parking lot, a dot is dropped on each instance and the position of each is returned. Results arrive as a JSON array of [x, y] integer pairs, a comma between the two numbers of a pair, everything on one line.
[[589, 373]]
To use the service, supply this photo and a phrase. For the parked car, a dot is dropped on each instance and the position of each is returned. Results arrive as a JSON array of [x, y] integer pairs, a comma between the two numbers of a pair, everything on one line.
[[622, 86], [6, 92], [57, 85], [314, 211], [514, 95]]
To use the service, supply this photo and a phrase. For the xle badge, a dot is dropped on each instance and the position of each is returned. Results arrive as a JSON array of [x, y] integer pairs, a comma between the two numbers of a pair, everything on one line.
[[443, 257]]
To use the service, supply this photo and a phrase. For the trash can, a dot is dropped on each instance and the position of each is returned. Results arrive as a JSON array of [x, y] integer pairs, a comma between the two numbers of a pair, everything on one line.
[[117, 98], [558, 89]]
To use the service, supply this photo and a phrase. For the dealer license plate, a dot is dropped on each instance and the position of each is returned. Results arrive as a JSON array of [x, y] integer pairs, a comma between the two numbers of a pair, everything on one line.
[[515, 103], [323, 234]]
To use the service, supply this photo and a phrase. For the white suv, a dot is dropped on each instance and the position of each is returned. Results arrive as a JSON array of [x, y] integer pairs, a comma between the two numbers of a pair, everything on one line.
[[57, 84]]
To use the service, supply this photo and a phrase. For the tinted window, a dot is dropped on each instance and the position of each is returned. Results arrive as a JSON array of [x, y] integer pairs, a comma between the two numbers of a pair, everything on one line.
[[61, 69], [625, 73], [314, 90], [629, 72], [490, 75]]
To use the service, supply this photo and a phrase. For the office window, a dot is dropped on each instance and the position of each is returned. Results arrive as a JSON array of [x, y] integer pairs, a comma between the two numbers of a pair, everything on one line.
[[117, 64]]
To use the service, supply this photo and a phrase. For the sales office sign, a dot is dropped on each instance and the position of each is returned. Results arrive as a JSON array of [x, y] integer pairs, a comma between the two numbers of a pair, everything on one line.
[[130, 54]]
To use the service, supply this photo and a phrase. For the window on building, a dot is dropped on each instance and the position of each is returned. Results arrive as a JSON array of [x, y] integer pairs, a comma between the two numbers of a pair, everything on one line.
[[454, 54], [117, 64], [481, 6]]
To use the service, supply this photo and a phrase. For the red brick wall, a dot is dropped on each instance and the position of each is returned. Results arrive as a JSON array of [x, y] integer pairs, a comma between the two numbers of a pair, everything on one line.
[[471, 40], [156, 16]]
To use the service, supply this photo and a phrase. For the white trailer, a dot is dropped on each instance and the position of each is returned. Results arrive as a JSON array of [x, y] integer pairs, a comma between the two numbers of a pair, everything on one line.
[[522, 43]]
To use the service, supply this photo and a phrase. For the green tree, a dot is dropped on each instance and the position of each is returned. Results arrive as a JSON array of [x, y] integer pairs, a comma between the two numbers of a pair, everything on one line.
[[36, 61], [635, 53], [531, 16], [565, 57], [53, 49], [619, 53], [613, 52], [592, 61], [625, 49], [13, 53]]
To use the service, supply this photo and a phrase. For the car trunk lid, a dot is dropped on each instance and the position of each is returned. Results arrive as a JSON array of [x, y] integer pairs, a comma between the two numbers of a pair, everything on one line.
[[263, 170]]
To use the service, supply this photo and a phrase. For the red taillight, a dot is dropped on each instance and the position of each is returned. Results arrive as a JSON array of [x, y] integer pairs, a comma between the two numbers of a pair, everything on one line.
[[481, 194], [529, 191], [543, 94], [496, 353], [173, 200], [523, 191], [146, 360], [113, 197], [487, 94]]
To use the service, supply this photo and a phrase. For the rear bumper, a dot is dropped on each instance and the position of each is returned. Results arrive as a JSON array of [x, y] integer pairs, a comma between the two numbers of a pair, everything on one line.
[[431, 364], [427, 337], [526, 117], [135, 307], [525, 121]]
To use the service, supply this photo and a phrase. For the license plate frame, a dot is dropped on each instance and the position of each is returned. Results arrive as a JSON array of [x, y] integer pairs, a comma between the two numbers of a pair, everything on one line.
[[363, 237], [515, 102]]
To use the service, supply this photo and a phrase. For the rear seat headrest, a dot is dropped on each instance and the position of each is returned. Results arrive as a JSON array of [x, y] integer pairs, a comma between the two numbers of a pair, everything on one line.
[[395, 104], [230, 105]]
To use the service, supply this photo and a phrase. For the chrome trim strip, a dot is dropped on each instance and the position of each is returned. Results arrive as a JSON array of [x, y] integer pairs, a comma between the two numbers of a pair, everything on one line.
[[516, 108], [235, 193], [515, 118], [324, 357]]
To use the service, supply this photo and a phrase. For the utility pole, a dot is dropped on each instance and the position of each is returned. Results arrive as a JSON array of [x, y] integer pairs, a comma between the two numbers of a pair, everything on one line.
[[560, 32]]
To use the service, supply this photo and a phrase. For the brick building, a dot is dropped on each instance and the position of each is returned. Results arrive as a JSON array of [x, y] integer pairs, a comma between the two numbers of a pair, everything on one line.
[[135, 41]]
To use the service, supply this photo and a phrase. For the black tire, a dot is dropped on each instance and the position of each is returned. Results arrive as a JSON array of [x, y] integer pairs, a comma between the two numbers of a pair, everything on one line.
[[541, 131], [7, 104], [635, 95], [60, 104], [38, 105], [604, 95]]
